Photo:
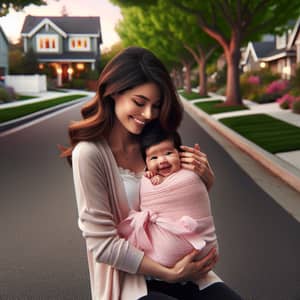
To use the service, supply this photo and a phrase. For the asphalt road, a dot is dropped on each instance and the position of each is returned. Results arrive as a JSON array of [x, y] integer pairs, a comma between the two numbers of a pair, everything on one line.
[[42, 253]]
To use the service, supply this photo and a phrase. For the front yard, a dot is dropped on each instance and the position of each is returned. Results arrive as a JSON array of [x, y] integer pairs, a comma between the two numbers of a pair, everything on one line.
[[7, 114], [269, 133]]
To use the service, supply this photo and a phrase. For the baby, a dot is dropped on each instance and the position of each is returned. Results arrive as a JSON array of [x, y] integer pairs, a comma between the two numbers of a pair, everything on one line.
[[175, 214]]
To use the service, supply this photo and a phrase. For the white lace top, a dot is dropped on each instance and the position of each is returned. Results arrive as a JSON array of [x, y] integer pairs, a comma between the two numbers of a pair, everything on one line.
[[131, 182]]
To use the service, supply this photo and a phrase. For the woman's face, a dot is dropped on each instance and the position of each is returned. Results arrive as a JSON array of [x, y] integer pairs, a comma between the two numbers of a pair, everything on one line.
[[136, 107]]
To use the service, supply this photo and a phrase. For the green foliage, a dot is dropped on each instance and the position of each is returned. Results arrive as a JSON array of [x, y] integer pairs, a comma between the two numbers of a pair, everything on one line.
[[30, 63], [191, 95], [4, 95], [22, 64], [296, 107], [15, 57], [256, 92], [17, 5], [267, 98], [295, 83], [224, 21], [216, 107], [220, 79], [108, 54]]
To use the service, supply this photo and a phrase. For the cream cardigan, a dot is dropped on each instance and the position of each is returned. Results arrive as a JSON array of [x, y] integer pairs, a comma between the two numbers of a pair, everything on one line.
[[112, 261]]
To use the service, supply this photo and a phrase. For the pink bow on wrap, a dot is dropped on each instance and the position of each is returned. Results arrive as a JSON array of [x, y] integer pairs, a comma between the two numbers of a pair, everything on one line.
[[136, 228]]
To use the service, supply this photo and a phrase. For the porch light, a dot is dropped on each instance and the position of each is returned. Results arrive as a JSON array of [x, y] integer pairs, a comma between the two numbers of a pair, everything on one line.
[[262, 64], [41, 66], [80, 66], [70, 71], [286, 70], [59, 71]]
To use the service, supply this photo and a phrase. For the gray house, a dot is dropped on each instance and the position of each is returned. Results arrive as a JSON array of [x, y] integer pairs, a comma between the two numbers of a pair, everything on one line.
[[254, 53], [69, 45], [3, 55]]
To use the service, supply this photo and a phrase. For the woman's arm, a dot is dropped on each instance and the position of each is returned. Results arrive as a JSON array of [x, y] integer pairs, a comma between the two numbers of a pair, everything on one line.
[[96, 213], [195, 160], [188, 268]]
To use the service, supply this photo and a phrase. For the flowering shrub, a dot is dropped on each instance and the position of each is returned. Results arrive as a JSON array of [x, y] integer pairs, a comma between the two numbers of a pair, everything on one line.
[[7, 94], [277, 87], [286, 101], [296, 106], [254, 80]]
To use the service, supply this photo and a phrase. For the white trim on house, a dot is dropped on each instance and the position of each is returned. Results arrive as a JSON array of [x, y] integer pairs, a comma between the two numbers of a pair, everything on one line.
[[250, 49], [48, 22], [25, 44], [294, 34], [65, 60], [276, 56], [84, 34]]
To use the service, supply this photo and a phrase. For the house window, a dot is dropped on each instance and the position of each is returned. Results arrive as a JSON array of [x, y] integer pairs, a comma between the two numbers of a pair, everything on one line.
[[47, 43], [79, 44]]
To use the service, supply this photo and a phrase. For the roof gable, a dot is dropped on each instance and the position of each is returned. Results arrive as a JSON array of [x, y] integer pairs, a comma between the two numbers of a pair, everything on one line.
[[44, 22], [258, 50], [294, 34], [3, 34], [64, 24]]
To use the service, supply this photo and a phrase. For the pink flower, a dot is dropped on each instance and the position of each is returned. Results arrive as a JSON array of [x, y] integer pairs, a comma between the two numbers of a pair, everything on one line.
[[287, 100], [276, 86], [255, 80]]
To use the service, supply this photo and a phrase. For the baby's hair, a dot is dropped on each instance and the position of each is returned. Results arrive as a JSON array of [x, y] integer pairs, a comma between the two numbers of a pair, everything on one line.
[[154, 134]]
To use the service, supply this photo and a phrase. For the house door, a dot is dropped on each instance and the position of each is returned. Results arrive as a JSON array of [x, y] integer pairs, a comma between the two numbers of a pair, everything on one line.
[[64, 68]]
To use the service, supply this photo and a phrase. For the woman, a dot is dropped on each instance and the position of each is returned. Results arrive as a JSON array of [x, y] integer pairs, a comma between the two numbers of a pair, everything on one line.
[[133, 90]]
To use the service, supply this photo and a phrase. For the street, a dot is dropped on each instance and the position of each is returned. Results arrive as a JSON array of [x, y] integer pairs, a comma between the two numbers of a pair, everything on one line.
[[42, 253]]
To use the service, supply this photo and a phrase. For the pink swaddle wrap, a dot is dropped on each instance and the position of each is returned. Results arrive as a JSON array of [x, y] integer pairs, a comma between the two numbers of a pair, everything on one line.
[[175, 218]]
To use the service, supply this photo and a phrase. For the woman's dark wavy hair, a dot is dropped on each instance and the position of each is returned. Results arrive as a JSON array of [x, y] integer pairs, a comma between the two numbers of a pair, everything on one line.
[[131, 67]]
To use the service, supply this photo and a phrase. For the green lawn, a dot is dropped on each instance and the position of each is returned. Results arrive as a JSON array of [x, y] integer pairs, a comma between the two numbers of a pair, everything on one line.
[[211, 107], [269, 133], [24, 97], [11, 113], [191, 96]]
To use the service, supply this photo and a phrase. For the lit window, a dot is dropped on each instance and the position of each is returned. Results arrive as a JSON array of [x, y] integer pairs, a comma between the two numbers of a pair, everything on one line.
[[47, 43], [79, 44]]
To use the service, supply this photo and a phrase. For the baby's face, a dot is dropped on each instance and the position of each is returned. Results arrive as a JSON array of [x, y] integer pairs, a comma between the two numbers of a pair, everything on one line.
[[163, 158]]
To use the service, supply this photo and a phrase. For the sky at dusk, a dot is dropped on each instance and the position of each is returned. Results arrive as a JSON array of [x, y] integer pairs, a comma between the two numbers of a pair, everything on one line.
[[109, 16]]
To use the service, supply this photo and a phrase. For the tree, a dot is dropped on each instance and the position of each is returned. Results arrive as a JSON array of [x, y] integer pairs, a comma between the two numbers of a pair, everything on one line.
[[64, 11], [232, 23], [108, 54], [185, 29], [148, 29], [17, 5], [15, 57], [30, 63]]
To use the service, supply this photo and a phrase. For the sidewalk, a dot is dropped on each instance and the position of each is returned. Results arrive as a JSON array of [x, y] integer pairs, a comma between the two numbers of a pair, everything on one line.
[[271, 109], [12, 125], [278, 177], [45, 96]]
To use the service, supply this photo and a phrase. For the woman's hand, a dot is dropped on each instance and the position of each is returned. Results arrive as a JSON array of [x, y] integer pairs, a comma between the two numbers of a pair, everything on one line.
[[189, 268], [195, 160]]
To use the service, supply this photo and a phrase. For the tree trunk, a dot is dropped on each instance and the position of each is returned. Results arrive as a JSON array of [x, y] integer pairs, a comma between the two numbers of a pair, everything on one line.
[[202, 77], [233, 91], [187, 77]]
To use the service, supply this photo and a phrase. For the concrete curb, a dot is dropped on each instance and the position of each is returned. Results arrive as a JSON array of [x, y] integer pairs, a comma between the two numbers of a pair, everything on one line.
[[277, 166], [22, 120]]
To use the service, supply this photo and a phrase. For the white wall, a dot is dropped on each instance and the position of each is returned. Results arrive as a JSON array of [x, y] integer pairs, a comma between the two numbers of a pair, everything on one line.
[[27, 83]]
